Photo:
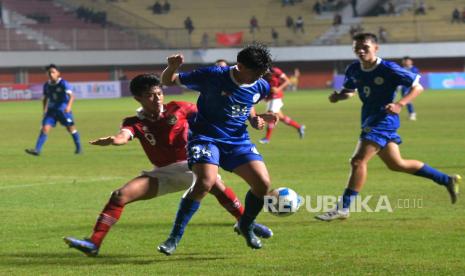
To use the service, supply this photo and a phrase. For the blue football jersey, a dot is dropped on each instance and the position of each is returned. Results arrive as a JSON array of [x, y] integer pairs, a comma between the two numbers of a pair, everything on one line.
[[376, 88], [223, 105], [57, 94], [413, 69]]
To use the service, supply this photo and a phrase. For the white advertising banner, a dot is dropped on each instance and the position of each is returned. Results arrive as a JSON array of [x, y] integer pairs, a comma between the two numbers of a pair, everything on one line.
[[96, 89]]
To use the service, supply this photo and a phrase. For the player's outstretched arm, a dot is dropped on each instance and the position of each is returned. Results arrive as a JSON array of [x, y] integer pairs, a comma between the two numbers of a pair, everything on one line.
[[395, 108], [285, 82], [342, 95], [44, 104], [168, 76], [118, 140]]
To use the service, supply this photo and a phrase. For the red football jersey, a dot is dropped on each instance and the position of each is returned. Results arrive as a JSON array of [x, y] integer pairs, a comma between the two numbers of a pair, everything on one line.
[[275, 81], [164, 139]]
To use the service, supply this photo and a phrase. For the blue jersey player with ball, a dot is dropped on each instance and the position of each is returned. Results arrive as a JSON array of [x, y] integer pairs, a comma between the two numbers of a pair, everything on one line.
[[219, 137], [375, 80]]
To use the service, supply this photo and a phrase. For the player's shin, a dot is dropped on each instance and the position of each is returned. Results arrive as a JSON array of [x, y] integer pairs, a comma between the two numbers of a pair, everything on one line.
[[109, 216], [269, 130], [253, 206], [288, 121], [347, 198], [230, 202], [187, 208], [77, 140], [433, 174], [40, 141]]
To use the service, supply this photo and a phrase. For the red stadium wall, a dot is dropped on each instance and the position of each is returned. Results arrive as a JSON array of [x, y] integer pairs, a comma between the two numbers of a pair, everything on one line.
[[318, 74], [7, 77]]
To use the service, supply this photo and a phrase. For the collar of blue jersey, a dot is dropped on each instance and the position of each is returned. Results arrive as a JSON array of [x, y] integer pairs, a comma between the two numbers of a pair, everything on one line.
[[58, 81], [142, 115], [235, 81], [378, 61]]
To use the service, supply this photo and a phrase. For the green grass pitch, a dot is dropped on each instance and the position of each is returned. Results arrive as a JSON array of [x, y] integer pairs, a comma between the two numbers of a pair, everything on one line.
[[58, 194]]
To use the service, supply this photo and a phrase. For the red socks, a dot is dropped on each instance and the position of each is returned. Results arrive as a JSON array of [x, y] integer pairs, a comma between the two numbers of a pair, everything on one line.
[[288, 121], [231, 203], [269, 130], [109, 216]]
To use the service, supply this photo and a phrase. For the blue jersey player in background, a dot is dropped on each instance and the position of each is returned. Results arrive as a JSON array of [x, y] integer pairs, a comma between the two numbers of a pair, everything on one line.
[[376, 81], [407, 63], [57, 103], [219, 135]]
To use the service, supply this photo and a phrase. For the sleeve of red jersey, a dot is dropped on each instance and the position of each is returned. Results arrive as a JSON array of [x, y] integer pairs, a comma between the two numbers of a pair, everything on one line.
[[278, 72], [189, 109], [128, 126]]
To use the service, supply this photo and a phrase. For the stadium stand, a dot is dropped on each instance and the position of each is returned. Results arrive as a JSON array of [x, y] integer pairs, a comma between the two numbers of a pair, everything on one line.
[[407, 26], [57, 26], [168, 28]]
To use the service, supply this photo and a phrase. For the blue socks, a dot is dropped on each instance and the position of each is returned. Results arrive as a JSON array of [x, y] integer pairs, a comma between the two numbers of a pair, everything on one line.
[[77, 141], [433, 174], [347, 198], [253, 206], [40, 141], [410, 108], [187, 208]]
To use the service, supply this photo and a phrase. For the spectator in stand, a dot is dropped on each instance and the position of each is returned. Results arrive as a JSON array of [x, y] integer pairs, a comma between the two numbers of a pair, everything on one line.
[[353, 3], [205, 40], [188, 25], [290, 22], [166, 7], [294, 80], [253, 24], [391, 9], [274, 36], [299, 24], [317, 8], [337, 20], [455, 16], [287, 3], [421, 9], [382, 34], [156, 8], [463, 15]]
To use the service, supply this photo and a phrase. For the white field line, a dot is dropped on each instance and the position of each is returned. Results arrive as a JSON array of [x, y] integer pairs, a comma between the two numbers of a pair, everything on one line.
[[64, 181]]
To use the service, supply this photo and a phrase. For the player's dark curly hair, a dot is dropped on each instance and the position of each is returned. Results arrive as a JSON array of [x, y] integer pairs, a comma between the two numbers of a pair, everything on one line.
[[255, 56], [365, 36], [143, 83], [50, 66]]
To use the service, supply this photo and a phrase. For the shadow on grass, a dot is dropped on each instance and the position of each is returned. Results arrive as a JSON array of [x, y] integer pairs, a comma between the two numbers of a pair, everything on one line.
[[75, 259]]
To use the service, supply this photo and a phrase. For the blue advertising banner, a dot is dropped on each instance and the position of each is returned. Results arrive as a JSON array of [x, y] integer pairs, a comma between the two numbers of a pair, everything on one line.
[[446, 80]]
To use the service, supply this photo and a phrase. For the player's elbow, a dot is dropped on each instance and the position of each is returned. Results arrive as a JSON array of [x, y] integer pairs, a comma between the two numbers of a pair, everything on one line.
[[419, 88]]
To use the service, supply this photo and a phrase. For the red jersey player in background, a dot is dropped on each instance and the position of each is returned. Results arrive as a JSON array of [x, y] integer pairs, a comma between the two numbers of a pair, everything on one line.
[[162, 131], [278, 82]]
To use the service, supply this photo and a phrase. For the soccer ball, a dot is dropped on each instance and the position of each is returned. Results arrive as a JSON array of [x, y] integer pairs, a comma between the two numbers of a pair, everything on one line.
[[282, 202]]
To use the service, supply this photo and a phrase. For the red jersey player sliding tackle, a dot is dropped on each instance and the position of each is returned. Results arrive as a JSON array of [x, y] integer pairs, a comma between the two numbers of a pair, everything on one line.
[[162, 131]]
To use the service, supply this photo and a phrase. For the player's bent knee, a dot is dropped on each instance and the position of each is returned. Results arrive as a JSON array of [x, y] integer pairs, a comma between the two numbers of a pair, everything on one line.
[[118, 197], [262, 188], [356, 162]]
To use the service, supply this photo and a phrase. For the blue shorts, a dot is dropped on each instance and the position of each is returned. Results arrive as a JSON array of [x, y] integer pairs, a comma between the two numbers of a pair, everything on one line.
[[380, 137], [227, 156], [54, 115]]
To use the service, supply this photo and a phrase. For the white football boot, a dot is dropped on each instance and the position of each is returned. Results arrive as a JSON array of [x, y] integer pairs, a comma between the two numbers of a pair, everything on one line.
[[333, 215]]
